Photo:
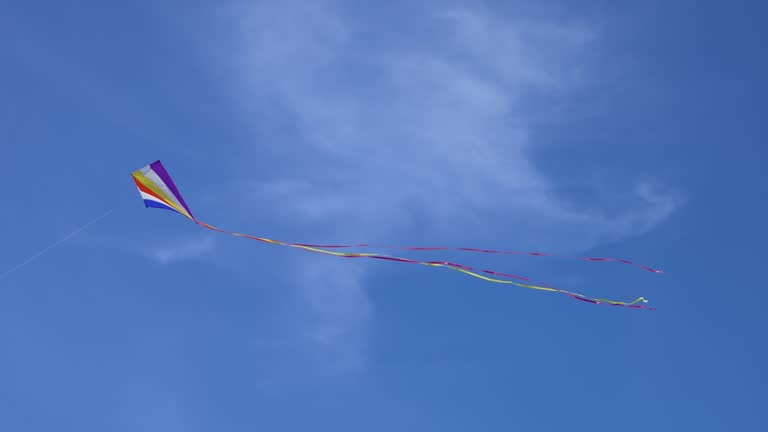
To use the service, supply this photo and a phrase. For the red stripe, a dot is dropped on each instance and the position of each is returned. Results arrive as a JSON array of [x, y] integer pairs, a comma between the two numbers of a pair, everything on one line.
[[149, 192]]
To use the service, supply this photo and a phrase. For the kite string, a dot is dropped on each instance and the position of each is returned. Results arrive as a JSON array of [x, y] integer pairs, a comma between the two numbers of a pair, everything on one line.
[[452, 266], [48, 248]]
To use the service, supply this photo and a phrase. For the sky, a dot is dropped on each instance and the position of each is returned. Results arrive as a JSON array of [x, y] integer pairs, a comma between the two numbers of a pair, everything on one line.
[[610, 129]]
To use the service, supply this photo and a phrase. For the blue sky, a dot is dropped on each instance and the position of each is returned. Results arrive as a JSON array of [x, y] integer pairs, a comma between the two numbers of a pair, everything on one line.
[[630, 131]]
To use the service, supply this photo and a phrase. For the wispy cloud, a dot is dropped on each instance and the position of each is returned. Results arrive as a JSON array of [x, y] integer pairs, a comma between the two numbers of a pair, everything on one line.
[[336, 310], [180, 250], [417, 124], [429, 121]]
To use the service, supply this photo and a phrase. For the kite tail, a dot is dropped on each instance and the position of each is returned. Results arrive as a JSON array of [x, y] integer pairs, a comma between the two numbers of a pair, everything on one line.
[[158, 190], [487, 251], [636, 304]]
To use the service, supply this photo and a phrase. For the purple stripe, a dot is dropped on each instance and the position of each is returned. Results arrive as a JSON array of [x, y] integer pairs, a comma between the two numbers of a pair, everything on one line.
[[584, 299], [159, 169], [392, 258]]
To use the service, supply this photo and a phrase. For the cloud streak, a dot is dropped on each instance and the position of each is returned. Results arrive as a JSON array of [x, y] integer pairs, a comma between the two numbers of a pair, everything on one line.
[[433, 123], [181, 250], [418, 126]]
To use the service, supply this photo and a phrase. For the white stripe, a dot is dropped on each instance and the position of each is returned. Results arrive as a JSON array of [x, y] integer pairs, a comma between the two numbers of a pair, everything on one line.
[[149, 197], [154, 178]]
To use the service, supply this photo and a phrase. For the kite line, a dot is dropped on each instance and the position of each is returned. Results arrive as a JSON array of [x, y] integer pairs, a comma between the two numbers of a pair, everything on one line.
[[53, 245]]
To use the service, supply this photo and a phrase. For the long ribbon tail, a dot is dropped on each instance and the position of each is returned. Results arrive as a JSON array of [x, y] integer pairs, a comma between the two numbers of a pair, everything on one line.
[[453, 266], [487, 251]]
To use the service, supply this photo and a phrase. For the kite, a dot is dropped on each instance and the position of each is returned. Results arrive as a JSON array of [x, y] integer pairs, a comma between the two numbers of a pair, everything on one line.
[[158, 190]]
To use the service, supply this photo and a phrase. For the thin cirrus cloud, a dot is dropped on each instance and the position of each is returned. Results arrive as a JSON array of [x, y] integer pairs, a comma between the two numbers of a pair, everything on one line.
[[407, 118], [429, 120], [181, 250]]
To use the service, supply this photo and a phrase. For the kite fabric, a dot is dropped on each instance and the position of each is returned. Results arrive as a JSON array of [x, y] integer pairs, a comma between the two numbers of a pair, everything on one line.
[[158, 190]]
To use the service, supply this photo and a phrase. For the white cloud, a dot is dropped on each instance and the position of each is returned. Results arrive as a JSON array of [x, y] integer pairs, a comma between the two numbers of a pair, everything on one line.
[[423, 121], [418, 125], [337, 309], [181, 250]]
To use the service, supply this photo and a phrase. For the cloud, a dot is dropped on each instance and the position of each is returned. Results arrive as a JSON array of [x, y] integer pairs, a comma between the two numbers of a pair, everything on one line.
[[336, 310], [418, 124], [657, 204], [181, 250], [427, 122]]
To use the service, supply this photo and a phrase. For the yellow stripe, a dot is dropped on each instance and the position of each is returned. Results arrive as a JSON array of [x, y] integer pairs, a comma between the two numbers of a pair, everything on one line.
[[151, 186]]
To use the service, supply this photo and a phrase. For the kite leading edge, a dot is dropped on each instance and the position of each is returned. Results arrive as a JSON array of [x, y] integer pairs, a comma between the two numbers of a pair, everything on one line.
[[158, 190]]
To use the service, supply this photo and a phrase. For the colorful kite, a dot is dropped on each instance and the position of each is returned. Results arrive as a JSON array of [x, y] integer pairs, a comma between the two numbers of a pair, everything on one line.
[[158, 190]]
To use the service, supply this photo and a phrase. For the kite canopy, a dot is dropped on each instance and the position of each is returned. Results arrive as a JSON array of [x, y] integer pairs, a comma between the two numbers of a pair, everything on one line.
[[158, 190]]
